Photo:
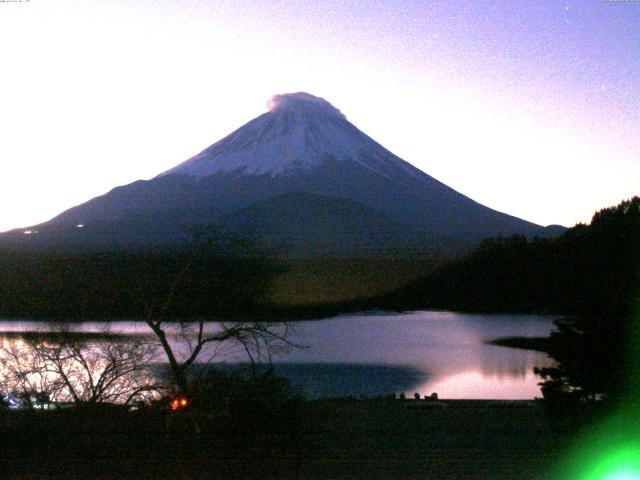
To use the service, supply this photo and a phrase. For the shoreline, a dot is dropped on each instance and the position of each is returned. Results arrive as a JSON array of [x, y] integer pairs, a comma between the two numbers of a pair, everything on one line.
[[538, 344]]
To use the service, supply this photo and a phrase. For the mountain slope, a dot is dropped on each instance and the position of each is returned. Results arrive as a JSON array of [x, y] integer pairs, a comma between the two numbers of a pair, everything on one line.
[[304, 223], [302, 144]]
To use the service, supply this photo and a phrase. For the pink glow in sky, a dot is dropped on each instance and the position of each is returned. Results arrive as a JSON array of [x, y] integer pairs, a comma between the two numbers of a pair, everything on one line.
[[531, 108]]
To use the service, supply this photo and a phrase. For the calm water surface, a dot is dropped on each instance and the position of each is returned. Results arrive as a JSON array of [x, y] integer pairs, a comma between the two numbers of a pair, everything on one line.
[[377, 354]]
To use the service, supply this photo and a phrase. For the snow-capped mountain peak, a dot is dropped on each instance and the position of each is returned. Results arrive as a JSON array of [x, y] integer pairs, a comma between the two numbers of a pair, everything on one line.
[[299, 132], [302, 102]]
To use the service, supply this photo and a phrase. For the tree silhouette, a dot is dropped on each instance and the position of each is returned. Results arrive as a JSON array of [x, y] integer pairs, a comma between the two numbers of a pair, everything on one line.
[[594, 348], [64, 366]]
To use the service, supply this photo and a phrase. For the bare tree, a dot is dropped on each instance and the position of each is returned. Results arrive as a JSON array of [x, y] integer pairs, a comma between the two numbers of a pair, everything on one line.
[[187, 343], [199, 341], [66, 367]]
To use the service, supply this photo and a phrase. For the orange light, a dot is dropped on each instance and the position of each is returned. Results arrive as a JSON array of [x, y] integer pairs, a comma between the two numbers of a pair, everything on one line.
[[175, 405], [183, 402]]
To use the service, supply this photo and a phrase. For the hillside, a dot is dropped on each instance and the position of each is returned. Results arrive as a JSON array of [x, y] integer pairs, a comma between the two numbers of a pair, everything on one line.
[[589, 268]]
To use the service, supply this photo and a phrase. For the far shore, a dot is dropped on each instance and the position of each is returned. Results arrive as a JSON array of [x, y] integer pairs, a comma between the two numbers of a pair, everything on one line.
[[539, 344]]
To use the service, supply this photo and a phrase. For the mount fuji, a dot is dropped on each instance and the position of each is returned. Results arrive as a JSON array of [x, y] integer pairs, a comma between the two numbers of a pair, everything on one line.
[[299, 176]]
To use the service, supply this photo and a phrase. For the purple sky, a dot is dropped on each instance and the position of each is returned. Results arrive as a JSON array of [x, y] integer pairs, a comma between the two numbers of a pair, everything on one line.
[[530, 107]]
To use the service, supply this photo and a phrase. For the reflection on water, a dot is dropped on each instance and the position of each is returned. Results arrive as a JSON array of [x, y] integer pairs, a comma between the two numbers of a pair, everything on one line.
[[474, 384], [420, 352], [330, 380], [448, 348], [506, 363]]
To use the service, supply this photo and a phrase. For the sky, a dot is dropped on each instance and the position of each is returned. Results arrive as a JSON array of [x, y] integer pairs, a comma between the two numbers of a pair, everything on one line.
[[530, 108]]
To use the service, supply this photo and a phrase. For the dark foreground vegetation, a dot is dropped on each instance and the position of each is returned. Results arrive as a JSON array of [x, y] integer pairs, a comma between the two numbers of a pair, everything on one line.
[[230, 428], [267, 434]]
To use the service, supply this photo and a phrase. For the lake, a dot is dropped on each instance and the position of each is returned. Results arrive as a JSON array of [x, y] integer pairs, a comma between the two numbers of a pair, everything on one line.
[[378, 354]]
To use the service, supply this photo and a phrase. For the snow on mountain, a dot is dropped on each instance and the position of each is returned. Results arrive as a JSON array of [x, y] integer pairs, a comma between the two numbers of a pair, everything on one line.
[[343, 180], [299, 132]]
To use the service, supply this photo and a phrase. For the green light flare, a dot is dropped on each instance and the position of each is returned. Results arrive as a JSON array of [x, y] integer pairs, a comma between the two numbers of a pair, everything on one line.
[[610, 450], [623, 475], [622, 464]]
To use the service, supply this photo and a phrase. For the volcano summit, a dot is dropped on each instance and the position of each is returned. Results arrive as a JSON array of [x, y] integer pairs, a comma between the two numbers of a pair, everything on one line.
[[300, 176]]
